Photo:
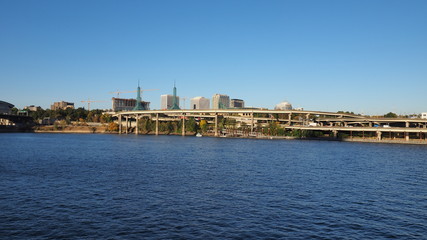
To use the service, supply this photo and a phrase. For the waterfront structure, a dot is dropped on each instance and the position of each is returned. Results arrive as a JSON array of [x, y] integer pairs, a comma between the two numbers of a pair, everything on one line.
[[32, 108], [220, 101], [199, 103], [122, 104], [237, 103], [5, 107], [283, 106], [424, 115], [61, 105]]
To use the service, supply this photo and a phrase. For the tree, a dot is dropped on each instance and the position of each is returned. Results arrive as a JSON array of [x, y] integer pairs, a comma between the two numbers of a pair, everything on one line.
[[390, 115], [14, 111], [191, 125], [203, 125], [113, 127]]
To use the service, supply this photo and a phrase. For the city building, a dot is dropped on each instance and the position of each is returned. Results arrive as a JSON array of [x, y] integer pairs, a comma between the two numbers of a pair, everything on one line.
[[5, 107], [220, 101], [424, 115], [199, 103], [237, 103], [168, 101], [122, 104], [283, 106], [32, 108], [61, 105]]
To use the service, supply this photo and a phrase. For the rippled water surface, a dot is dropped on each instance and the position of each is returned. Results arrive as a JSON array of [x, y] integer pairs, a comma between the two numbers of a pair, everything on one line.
[[57, 186]]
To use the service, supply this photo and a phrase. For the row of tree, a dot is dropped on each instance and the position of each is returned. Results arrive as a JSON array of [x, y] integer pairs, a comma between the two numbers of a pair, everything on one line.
[[69, 115]]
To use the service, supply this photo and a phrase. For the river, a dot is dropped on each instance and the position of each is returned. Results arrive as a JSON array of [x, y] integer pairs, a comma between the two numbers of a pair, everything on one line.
[[99, 186]]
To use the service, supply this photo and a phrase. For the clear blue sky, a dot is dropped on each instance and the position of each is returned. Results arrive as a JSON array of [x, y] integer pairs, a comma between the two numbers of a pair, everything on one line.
[[366, 56]]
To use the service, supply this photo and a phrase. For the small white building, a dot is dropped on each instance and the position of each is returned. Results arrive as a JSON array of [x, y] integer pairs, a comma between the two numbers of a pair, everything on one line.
[[166, 101], [424, 115], [199, 103], [283, 106]]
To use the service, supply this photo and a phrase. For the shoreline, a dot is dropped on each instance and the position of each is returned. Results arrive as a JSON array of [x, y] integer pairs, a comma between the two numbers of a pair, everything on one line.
[[102, 130]]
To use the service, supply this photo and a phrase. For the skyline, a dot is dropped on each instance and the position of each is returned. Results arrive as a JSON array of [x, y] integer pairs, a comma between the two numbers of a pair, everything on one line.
[[367, 57]]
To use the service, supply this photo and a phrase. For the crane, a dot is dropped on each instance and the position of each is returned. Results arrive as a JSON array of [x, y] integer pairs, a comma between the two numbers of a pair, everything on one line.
[[142, 90], [184, 98], [90, 101]]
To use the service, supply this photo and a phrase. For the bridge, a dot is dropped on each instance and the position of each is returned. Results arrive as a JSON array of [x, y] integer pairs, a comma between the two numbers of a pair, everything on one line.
[[329, 123]]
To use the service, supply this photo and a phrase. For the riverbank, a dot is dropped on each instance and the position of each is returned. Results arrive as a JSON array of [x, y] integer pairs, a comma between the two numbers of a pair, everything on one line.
[[104, 130]]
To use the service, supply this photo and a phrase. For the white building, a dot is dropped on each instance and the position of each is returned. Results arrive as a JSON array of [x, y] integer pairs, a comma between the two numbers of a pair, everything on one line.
[[283, 106], [166, 101], [199, 103], [220, 101], [424, 115]]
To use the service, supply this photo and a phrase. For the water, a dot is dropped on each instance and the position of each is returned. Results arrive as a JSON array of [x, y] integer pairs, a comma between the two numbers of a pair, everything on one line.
[[57, 186]]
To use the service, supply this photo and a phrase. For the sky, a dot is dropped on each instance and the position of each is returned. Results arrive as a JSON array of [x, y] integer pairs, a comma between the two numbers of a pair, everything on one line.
[[364, 56]]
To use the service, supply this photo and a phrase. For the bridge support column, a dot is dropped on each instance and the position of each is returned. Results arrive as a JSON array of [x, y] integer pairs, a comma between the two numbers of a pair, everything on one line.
[[127, 124], [252, 122], [216, 126], [183, 125], [335, 132], [379, 135], [290, 119], [407, 124], [406, 136], [157, 124], [120, 124], [136, 127]]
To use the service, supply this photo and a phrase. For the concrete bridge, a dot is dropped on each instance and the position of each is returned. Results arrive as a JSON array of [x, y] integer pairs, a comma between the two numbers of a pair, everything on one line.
[[326, 122]]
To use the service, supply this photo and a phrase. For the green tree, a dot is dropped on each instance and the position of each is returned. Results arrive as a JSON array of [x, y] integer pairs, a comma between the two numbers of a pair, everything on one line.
[[390, 115], [191, 125]]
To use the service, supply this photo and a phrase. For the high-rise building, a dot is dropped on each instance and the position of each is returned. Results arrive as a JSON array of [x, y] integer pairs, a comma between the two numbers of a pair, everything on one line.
[[168, 101], [122, 104], [199, 103], [220, 101], [61, 105], [237, 103]]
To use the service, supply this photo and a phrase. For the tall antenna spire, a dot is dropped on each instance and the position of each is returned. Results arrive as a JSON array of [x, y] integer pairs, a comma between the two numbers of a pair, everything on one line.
[[138, 105], [174, 98]]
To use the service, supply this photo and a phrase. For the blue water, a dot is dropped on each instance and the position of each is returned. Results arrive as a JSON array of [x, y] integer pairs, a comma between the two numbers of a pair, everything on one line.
[[57, 186]]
